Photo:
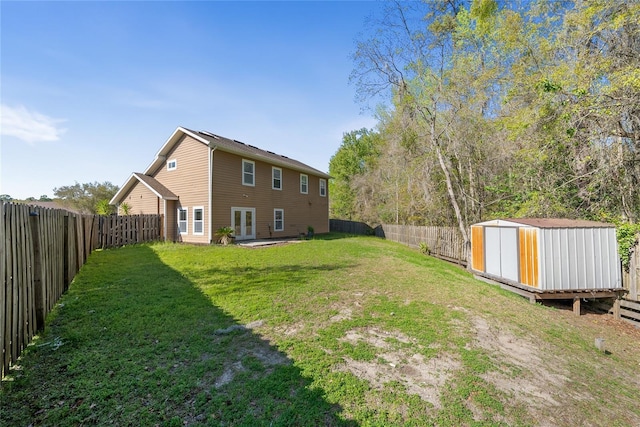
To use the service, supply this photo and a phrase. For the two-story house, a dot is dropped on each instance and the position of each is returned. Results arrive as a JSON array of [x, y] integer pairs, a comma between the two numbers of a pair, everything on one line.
[[201, 182]]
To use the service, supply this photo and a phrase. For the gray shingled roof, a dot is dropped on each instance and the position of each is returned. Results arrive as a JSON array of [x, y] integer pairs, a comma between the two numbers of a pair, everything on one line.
[[252, 152], [160, 189]]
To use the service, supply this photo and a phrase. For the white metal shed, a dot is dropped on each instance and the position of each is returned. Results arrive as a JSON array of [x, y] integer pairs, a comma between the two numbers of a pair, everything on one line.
[[547, 255]]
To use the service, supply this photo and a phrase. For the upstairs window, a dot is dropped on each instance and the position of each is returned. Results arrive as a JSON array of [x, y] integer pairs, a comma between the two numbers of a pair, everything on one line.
[[248, 172], [278, 220], [198, 220], [276, 178], [304, 184], [182, 221], [172, 165], [323, 187]]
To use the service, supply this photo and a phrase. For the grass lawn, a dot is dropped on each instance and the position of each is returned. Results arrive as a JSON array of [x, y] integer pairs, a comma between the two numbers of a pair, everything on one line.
[[339, 331]]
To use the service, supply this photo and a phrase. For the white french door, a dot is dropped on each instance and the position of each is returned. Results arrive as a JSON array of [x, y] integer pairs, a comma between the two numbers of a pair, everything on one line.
[[243, 222]]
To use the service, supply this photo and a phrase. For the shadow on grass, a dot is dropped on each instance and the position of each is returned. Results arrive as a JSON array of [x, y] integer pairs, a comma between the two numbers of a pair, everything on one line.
[[134, 342], [334, 235], [261, 279]]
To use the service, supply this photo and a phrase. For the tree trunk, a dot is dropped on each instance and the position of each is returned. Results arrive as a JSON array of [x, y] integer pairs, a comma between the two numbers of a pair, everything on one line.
[[452, 196]]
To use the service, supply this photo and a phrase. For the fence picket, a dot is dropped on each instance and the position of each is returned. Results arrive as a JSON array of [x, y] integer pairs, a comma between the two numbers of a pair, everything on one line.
[[40, 255], [443, 242]]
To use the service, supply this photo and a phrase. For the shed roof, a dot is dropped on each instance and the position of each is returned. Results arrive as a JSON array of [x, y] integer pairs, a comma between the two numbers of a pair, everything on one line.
[[548, 223]]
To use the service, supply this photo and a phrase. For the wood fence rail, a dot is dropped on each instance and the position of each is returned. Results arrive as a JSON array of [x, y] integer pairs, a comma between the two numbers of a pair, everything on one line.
[[442, 242], [41, 250], [630, 310], [350, 227]]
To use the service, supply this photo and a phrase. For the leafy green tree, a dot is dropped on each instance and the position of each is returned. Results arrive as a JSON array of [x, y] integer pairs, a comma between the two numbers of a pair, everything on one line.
[[5, 198], [85, 197], [500, 109], [358, 153], [438, 63]]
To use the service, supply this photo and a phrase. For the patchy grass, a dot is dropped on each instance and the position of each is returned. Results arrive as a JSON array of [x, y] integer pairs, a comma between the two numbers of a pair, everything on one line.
[[335, 331]]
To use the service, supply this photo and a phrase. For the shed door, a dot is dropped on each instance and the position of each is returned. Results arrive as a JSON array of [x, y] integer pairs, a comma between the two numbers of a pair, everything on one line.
[[501, 252], [509, 253], [492, 251]]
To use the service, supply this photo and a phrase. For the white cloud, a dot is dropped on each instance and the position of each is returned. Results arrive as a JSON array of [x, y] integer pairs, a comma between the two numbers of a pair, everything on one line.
[[29, 126]]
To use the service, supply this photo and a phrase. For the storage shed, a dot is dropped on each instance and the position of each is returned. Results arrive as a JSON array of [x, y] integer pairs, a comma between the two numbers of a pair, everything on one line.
[[548, 255]]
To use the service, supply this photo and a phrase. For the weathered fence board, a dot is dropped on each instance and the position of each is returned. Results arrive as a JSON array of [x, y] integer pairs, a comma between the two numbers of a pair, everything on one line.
[[3, 296], [41, 250], [351, 227], [631, 278], [115, 231], [442, 242]]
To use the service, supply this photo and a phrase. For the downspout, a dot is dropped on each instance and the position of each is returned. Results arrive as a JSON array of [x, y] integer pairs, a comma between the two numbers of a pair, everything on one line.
[[210, 228], [328, 204], [164, 220]]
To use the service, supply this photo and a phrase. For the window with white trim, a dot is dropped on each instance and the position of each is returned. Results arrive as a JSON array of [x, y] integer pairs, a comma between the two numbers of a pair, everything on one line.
[[276, 178], [198, 220], [304, 183], [278, 220], [248, 172], [182, 221], [172, 164], [323, 187]]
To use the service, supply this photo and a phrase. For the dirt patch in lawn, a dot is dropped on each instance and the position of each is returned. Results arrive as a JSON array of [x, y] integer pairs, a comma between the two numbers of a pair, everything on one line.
[[521, 370], [526, 376], [244, 348], [422, 376]]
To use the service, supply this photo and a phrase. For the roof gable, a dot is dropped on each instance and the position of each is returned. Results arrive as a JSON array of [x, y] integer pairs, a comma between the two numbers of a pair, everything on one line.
[[149, 182], [252, 152], [161, 155], [231, 146]]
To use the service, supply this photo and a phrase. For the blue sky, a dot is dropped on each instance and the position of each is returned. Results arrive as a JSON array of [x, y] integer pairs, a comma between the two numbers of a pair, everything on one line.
[[91, 90]]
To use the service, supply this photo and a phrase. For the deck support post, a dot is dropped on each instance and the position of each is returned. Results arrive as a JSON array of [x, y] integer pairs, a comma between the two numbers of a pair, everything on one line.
[[616, 308], [576, 306]]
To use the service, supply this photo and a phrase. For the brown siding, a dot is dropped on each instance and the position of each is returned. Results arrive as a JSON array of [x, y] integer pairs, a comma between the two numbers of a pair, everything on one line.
[[141, 200], [300, 210], [190, 182]]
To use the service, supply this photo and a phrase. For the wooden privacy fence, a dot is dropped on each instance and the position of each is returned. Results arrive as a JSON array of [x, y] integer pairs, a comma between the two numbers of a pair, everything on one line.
[[118, 231], [631, 278], [630, 305], [442, 242], [351, 227], [41, 250]]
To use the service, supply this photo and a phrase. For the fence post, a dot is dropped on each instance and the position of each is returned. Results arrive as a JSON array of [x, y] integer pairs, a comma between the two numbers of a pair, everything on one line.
[[37, 271], [65, 232]]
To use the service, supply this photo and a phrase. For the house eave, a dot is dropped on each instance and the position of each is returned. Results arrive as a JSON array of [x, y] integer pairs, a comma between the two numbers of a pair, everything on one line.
[[161, 155], [128, 185]]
